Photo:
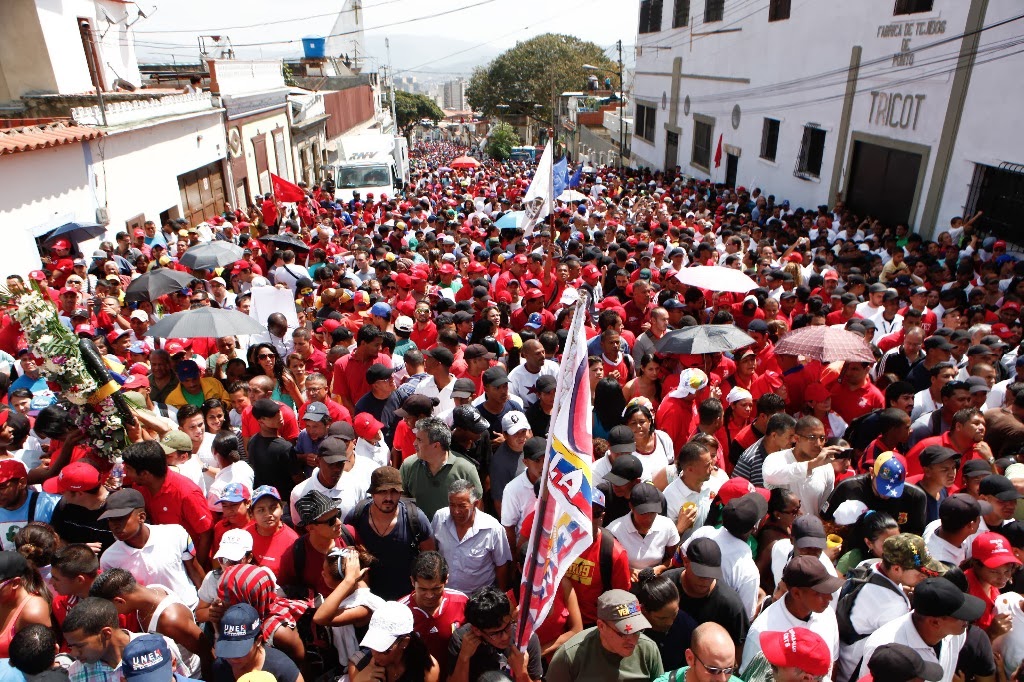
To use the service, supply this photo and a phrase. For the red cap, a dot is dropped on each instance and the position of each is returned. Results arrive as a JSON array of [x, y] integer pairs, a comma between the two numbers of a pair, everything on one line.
[[136, 381], [1001, 330], [1000, 244], [66, 245], [1015, 307], [830, 274], [591, 274], [795, 258], [520, 259], [173, 348], [85, 329], [533, 293], [658, 248], [367, 426], [328, 326], [734, 488], [116, 334], [11, 469], [67, 290], [993, 550], [817, 392], [403, 281], [446, 269], [138, 233], [4, 414], [140, 368], [75, 476], [477, 266], [797, 648]]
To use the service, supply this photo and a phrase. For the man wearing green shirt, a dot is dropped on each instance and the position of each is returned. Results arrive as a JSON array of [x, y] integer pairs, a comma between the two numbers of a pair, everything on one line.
[[427, 474], [616, 649], [711, 657]]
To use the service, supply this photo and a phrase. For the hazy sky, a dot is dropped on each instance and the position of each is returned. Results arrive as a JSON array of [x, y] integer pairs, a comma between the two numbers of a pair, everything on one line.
[[170, 33]]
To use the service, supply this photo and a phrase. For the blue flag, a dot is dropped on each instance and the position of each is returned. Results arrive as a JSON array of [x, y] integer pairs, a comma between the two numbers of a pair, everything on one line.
[[560, 176], [574, 181]]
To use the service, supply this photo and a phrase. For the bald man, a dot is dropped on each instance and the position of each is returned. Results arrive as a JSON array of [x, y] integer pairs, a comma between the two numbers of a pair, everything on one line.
[[710, 658], [522, 380]]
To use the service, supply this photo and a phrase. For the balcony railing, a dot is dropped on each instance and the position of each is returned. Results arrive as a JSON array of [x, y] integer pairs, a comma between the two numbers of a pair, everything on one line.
[[125, 113]]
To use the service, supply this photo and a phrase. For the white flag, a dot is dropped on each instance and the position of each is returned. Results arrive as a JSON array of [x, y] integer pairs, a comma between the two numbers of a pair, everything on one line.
[[538, 199]]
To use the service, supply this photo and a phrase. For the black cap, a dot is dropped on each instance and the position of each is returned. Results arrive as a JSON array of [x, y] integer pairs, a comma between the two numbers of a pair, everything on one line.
[[808, 571], [808, 531], [625, 469], [417, 405], [934, 454], [342, 429], [462, 316], [546, 384], [1013, 531], [467, 417], [742, 514], [464, 388], [876, 288], [535, 448], [705, 558], [377, 372], [939, 597], [956, 511], [979, 349], [975, 468], [645, 499], [495, 376], [442, 355], [621, 439], [933, 342], [999, 487], [265, 407], [899, 663], [122, 503], [476, 350]]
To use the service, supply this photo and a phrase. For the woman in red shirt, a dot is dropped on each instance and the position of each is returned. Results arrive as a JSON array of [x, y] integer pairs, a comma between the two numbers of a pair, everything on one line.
[[989, 569]]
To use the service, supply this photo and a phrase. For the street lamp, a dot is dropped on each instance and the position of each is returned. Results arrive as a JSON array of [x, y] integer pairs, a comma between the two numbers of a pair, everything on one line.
[[622, 101]]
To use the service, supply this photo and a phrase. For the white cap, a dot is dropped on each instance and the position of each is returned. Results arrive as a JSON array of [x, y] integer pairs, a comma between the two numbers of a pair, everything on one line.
[[404, 323], [139, 315], [447, 239], [387, 624], [234, 544], [219, 280], [513, 422], [570, 296]]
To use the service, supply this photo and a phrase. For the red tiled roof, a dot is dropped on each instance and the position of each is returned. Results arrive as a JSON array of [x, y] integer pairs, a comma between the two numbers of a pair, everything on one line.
[[28, 138]]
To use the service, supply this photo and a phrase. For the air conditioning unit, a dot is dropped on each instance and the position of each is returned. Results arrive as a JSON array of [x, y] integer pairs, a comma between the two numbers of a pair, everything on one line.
[[102, 216]]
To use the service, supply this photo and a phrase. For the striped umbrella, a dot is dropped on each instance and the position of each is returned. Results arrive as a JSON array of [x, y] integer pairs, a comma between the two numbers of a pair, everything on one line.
[[828, 344]]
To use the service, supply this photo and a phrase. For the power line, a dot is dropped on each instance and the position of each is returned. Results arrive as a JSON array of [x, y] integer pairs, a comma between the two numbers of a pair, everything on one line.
[[274, 22]]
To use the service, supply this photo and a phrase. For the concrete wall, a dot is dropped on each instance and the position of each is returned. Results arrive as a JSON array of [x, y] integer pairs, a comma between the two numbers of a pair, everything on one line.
[[796, 71], [137, 170], [24, 61]]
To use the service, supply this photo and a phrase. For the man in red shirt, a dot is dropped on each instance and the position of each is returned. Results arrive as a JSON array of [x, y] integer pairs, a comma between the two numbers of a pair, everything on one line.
[[261, 387], [854, 394], [302, 344], [677, 415], [169, 496], [436, 611], [533, 302], [269, 210], [349, 382], [638, 308], [967, 437], [424, 331], [587, 571]]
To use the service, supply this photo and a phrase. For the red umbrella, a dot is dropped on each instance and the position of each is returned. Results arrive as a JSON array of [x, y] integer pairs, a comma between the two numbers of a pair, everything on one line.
[[465, 162], [828, 344]]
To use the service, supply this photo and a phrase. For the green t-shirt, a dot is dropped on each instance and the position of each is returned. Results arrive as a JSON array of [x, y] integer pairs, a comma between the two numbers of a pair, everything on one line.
[[196, 399], [583, 658], [431, 490], [849, 561], [681, 676]]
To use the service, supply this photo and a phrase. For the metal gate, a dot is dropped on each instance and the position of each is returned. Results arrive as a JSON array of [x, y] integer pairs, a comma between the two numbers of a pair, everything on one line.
[[999, 194]]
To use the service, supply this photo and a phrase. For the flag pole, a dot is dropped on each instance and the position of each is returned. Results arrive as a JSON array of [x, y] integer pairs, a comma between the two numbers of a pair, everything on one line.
[[543, 498]]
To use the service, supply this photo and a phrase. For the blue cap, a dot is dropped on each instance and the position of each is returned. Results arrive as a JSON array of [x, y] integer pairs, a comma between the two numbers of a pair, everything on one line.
[[265, 490], [187, 369], [234, 492], [890, 475], [148, 659], [381, 309], [535, 320], [238, 629]]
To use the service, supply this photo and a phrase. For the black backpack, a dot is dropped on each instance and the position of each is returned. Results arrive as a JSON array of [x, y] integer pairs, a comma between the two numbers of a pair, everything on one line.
[[412, 516], [604, 559], [855, 582]]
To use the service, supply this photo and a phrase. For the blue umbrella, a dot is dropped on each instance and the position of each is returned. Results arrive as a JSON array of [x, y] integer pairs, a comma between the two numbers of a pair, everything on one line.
[[511, 220], [76, 232]]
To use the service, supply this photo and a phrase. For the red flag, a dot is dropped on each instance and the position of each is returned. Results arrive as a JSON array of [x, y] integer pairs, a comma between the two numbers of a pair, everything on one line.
[[718, 153], [286, 191]]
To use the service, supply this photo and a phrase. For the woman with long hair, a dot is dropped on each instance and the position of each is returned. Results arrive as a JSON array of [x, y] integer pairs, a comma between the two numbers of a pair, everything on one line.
[[264, 359], [608, 406], [653, 447], [647, 382], [296, 367], [988, 571], [37, 542], [215, 415], [783, 508], [24, 598], [252, 585], [230, 468]]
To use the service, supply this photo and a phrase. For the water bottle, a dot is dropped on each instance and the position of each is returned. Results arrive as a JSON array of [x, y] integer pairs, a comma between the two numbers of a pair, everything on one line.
[[116, 476]]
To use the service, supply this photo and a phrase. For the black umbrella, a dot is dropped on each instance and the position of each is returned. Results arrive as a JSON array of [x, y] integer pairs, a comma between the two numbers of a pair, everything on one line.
[[210, 255], [205, 322], [286, 241], [155, 284], [75, 232], [701, 339]]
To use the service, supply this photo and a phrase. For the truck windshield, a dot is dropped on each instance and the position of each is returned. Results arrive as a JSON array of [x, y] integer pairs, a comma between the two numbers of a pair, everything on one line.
[[363, 176]]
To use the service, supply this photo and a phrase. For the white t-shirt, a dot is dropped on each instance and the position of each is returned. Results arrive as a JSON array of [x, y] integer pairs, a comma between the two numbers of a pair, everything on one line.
[[678, 493], [238, 472], [344, 636], [647, 550], [378, 452], [349, 490], [939, 548], [777, 618], [521, 381], [781, 470], [875, 606], [517, 501], [902, 631], [159, 561]]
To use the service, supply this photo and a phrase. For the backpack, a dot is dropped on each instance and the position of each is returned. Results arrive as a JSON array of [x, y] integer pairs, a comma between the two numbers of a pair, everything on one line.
[[855, 582], [361, 510], [604, 559]]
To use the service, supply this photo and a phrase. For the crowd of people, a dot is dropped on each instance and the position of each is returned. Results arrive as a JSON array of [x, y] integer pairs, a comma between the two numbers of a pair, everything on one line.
[[350, 494]]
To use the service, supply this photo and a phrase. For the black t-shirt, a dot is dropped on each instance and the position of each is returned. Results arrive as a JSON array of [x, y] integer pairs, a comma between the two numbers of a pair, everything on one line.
[[77, 524], [722, 606], [976, 658], [503, 467], [276, 663], [488, 658], [273, 464], [908, 510], [371, 404], [389, 578], [540, 422], [674, 643]]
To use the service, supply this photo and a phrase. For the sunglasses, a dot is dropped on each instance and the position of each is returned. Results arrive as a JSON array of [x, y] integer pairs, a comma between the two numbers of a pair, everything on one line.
[[264, 356], [329, 521], [712, 670]]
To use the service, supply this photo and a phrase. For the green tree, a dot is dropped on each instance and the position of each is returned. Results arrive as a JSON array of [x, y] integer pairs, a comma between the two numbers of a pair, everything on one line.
[[501, 140], [530, 72], [410, 109]]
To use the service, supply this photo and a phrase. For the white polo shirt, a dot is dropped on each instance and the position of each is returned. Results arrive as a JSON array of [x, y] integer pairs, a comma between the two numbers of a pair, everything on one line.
[[738, 567], [159, 561], [902, 631], [647, 550], [678, 493], [940, 549], [473, 559], [781, 470], [517, 501], [875, 606], [777, 618]]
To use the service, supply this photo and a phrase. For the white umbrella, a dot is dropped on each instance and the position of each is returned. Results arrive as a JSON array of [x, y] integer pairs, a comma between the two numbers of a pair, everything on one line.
[[571, 195], [716, 278]]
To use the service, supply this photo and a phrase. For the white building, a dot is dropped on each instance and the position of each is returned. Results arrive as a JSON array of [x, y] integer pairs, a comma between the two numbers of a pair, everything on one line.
[[454, 95], [904, 109]]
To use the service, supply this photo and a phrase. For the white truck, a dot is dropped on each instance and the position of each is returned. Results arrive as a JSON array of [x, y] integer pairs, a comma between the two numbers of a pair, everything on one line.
[[370, 164]]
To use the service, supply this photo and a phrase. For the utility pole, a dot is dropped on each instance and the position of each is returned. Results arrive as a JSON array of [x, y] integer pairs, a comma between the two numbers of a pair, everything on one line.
[[391, 79], [622, 109]]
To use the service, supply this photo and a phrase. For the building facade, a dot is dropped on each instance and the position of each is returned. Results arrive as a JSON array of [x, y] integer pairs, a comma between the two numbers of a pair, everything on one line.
[[902, 109]]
